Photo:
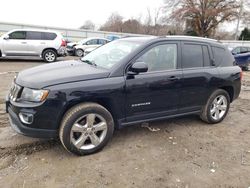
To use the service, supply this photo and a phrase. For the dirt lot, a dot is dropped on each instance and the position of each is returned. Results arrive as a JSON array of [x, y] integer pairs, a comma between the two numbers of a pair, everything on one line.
[[183, 152]]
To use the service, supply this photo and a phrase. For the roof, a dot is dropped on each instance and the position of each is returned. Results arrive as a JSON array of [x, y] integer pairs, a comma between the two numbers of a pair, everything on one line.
[[172, 37], [32, 29], [191, 37]]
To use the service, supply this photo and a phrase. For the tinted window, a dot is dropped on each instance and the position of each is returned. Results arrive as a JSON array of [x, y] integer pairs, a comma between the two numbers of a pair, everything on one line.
[[18, 35], [192, 56], [236, 50], [92, 42], [49, 36], [162, 57], [219, 54], [244, 50], [206, 56], [33, 35], [102, 42]]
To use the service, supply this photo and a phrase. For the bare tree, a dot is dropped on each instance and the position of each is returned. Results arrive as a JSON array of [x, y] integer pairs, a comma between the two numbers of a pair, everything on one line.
[[88, 24], [203, 16], [152, 21], [114, 23], [132, 26]]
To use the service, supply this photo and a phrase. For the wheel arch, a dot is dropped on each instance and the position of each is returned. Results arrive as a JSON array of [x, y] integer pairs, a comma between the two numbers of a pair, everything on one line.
[[230, 91], [49, 49], [106, 103]]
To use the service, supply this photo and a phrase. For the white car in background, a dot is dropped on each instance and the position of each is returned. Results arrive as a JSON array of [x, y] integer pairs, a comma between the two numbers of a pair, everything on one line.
[[89, 43], [46, 44]]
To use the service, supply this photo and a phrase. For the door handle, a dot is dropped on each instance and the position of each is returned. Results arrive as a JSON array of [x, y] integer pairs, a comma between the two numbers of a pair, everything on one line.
[[173, 78], [42, 43], [24, 42]]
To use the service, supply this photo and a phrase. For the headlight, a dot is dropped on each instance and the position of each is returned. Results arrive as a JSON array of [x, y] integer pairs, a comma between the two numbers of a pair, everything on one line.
[[33, 95]]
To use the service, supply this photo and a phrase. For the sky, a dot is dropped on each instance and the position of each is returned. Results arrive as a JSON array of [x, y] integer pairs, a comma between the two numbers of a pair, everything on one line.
[[72, 14]]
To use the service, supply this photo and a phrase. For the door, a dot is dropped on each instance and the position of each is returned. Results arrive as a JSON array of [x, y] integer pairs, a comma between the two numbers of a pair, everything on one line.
[[93, 43], [200, 77], [16, 44], [155, 93], [36, 44]]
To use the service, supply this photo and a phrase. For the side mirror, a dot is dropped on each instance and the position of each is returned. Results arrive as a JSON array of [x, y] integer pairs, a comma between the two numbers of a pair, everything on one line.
[[138, 67], [7, 37]]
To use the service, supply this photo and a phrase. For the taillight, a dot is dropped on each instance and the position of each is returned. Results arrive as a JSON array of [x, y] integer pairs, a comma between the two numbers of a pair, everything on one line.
[[63, 43]]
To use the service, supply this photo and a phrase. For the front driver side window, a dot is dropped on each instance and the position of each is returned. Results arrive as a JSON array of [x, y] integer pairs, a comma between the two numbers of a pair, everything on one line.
[[19, 35], [162, 57], [92, 42]]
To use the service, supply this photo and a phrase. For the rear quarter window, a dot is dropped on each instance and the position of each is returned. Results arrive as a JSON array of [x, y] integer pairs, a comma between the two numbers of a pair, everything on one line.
[[222, 56]]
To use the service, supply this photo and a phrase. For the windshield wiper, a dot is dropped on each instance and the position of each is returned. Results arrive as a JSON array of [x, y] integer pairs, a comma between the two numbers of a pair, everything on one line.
[[89, 62]]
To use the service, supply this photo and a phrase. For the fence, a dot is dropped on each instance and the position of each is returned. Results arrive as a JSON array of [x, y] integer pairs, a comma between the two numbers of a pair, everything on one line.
[[78, 34], [70, 34]]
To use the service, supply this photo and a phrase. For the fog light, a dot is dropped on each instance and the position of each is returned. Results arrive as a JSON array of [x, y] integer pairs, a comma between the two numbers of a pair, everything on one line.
[[26, 118]]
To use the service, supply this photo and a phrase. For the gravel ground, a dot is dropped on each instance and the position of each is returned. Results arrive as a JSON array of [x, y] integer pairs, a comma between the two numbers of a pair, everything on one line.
[[182, 152]]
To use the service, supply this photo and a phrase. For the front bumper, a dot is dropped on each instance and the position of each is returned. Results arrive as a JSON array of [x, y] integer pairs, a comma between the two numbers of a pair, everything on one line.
[[71, 51], [23, 129]]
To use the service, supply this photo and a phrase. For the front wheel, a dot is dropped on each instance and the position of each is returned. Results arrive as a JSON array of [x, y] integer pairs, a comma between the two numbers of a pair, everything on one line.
[[79, 52], [86, 128], [216, 108]]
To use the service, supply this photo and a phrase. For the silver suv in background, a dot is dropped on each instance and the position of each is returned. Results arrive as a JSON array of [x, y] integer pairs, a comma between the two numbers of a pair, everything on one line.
[[29, 42], [79, 48]]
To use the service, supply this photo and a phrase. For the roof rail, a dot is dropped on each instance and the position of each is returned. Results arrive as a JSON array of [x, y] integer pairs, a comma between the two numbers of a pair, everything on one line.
[[190, 37]]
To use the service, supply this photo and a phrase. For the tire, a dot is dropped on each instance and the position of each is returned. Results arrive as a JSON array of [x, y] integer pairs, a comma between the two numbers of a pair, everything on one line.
[[246, 68], [211, 110], [49, 56], [79, 52], [83, 130]]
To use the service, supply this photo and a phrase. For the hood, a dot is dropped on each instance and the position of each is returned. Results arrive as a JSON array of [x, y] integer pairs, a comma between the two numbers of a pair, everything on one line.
[[59, 73], [243, 54], [72, 44]]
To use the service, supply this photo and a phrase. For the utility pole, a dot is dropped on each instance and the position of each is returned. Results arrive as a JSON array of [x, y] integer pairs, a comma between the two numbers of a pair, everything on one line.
[[238, 21]]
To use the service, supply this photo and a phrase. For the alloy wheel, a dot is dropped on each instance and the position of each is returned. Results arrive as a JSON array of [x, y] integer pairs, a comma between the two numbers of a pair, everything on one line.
[[218, 107], [88, 131]]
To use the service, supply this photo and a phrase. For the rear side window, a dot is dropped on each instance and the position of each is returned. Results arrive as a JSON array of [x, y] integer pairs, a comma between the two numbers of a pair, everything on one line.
[[34, 35], [18, 35], [192, 56], [48, 36]]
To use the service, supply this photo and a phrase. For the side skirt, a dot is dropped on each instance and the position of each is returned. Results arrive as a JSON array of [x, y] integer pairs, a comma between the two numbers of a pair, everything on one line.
[[122, 123]]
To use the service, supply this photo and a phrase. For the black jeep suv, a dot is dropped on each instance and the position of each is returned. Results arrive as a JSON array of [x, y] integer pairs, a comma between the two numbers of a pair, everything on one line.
[[127, 81]]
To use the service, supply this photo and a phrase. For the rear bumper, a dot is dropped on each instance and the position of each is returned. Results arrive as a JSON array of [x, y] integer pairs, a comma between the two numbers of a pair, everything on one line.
[[23, 129], [62, 51]]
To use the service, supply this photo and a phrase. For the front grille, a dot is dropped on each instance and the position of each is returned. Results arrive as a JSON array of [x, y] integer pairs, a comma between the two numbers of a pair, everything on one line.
[[15, 92]]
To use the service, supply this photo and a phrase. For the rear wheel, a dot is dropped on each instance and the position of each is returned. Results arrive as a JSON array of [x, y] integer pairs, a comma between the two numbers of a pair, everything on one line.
[[86, 128], [49, 56], [246, 68], [216, 108]]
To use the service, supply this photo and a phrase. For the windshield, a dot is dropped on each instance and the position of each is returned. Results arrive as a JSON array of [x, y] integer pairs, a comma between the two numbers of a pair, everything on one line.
[[110, 54]]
